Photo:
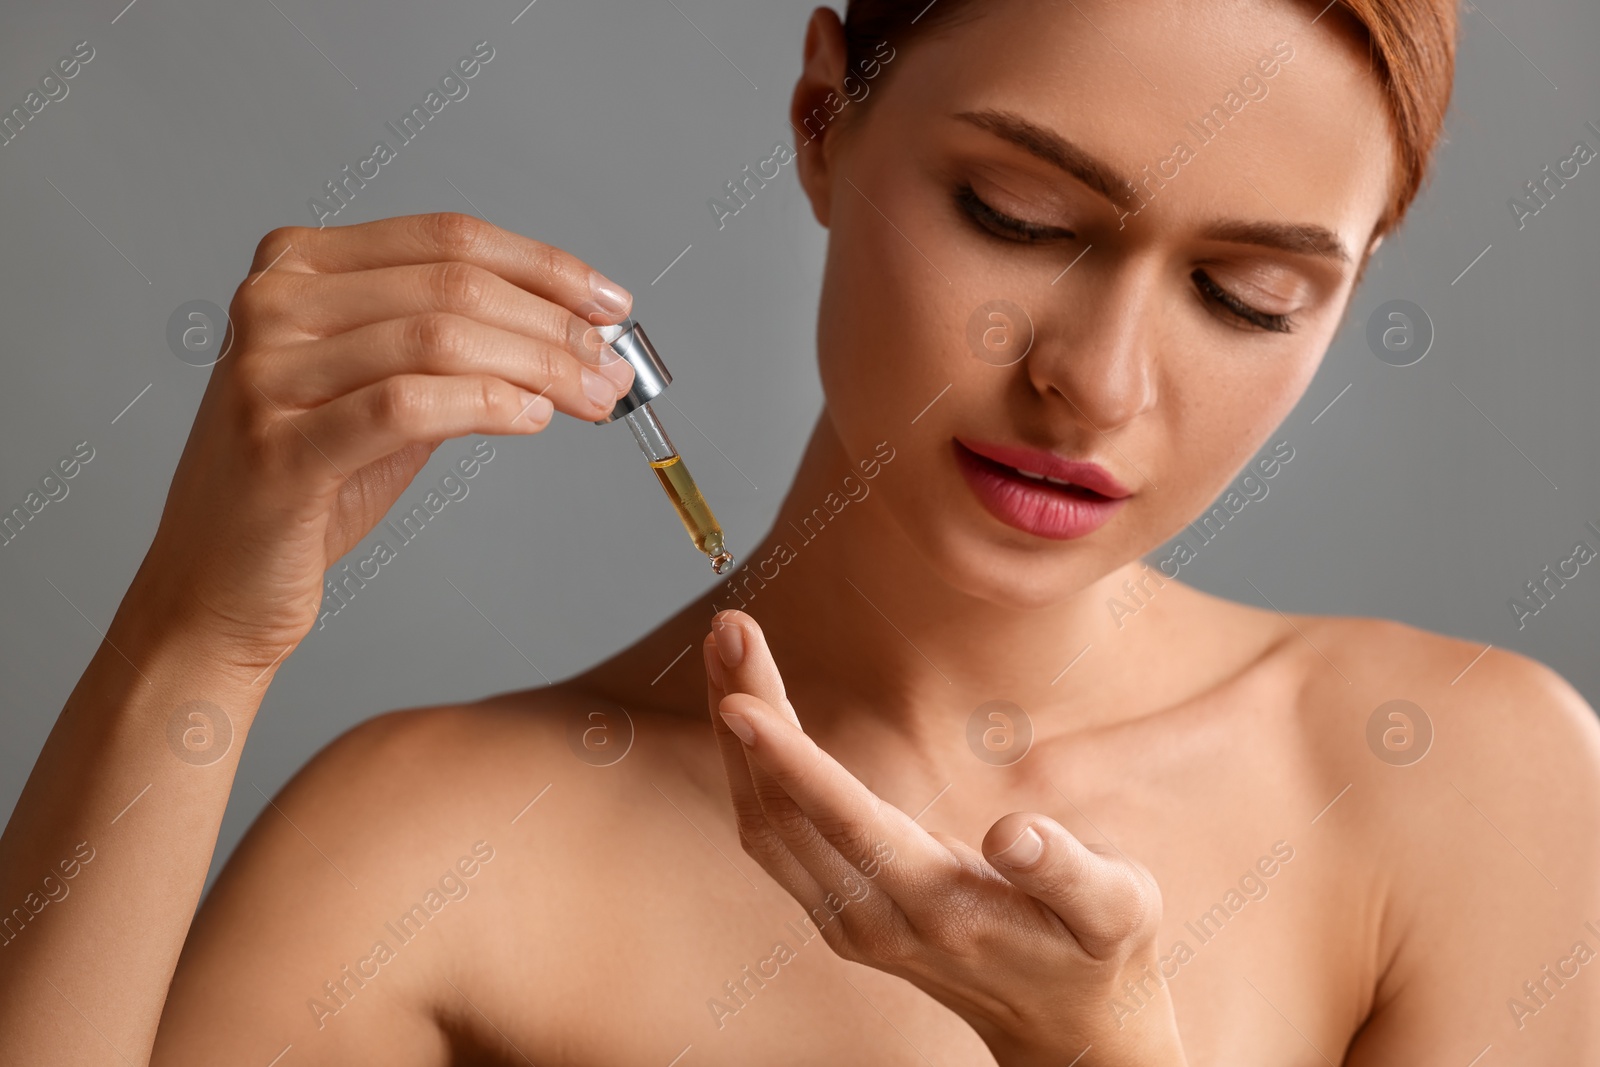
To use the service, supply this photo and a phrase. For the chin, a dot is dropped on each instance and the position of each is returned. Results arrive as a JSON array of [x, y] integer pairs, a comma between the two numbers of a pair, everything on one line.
[[974, 553], [1016, 580]]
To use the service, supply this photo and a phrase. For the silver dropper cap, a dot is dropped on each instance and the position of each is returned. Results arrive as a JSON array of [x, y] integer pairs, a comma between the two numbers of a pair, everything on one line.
[[650, 376]]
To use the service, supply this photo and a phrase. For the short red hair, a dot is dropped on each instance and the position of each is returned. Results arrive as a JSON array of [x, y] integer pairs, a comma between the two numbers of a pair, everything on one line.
[[1412, 44]]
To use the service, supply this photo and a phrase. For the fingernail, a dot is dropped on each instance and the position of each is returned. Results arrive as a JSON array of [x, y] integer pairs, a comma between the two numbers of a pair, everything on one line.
[[610, 299], [740, 726], [599, 389], [714, 668], [536, 409], [593, 345], [1023, 852], [730, 644], [618, 370]]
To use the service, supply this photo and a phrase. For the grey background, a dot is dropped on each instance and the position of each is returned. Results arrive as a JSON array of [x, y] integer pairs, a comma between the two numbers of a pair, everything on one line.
[[1428, 494]]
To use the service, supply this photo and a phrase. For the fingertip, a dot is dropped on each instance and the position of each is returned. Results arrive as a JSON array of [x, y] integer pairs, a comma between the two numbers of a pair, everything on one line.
[[714, 677], [733, 617], [1023, 852], [744, 704], [1021, 840], [728, 628], [535, 410], [740, 725]]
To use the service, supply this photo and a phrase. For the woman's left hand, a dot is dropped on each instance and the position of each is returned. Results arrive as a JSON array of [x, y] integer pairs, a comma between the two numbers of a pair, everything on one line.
[[1030, 941]]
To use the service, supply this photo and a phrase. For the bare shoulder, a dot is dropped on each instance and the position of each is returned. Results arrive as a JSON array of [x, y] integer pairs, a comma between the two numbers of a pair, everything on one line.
[[418, 835], [1484, 702], [1467, 781], [1377, 697]]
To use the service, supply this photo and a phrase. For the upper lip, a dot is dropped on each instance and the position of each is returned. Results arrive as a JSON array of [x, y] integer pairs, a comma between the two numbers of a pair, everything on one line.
[[1083, 473]]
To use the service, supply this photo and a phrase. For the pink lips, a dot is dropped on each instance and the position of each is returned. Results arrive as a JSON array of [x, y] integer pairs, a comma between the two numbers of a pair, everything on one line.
[[1035, 505]]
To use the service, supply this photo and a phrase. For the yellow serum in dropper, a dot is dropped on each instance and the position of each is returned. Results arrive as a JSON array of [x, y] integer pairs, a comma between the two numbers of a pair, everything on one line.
[[628, 341], [693, 510]]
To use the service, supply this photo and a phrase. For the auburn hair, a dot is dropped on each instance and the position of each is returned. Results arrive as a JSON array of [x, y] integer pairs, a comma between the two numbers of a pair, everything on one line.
[[1412, 44]]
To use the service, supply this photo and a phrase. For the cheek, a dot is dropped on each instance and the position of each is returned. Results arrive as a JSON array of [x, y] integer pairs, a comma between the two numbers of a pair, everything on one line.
[[1218, 409], [887, 345]]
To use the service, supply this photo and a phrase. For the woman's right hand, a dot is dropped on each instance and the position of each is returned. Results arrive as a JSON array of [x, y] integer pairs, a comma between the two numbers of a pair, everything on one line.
[[355, 352]]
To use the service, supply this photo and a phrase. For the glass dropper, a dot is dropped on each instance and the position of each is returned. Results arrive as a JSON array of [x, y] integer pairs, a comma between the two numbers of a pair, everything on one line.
[[650, 379], [679, 484]]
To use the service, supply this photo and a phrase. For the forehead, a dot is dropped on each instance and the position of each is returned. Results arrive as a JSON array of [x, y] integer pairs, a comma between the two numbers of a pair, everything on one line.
[[1130, 82]]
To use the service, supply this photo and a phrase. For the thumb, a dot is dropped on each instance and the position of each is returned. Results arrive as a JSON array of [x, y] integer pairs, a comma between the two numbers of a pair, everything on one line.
[[1108, 903]]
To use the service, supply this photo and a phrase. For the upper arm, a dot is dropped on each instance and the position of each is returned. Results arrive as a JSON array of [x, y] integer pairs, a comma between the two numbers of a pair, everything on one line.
[[276, 954], [1493, 921]]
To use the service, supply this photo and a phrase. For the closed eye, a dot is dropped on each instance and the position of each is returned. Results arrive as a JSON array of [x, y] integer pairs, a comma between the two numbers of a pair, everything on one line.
[[1238, 309], [1003, 225], [1008, 228]]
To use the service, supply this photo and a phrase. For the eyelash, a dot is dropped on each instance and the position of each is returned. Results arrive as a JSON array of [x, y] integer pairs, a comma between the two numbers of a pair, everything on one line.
[[1238, 308], [1013, 229], [1002, 225]]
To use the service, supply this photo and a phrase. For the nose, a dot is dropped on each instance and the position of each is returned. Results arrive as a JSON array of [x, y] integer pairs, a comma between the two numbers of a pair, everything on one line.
[[1096, 353]]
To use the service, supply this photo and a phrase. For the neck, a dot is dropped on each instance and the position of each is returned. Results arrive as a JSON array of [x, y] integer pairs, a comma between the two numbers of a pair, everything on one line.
[[862, 626]]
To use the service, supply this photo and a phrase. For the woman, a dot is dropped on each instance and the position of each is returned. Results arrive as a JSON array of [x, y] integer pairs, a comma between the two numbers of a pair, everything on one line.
[[1171, 844]]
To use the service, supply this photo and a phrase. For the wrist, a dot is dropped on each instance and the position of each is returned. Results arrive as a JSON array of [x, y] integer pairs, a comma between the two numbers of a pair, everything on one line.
[[1157, 1045], [159, 620], [1088, 1054]]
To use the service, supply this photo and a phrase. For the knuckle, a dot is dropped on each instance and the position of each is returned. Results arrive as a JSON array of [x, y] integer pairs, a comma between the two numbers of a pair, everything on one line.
[[442, 336], [1128, 919], [457, 234], [272, 295], [761, 845], [456, 286], [757, 845], [967, 896], [562, 327], [789, 822], [950, 938], [843, 944], [850, 838], [498, 399], [550, 261], [397, 402], [749, 819], [546, 364], [275, 241], [257, 423], [1146, 907], [889, 944]]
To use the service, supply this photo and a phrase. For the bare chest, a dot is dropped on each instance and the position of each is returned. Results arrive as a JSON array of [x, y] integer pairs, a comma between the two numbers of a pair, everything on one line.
[[674, 947]]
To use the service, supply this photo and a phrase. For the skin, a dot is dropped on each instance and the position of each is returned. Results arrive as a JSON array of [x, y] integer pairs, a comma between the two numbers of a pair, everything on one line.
[[1196, 747]]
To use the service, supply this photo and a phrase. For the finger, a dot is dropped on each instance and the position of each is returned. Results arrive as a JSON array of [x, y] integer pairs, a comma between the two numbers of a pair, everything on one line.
[[824, 813], [321, 305], [1103, 899], [310, 373], [756, 836], [780, 819], [747, 661], [542, 269], [958, 848], [834, 852], [372, 422]]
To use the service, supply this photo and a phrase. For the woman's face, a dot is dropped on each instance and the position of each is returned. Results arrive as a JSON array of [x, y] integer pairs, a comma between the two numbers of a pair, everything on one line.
[[1172, 327]]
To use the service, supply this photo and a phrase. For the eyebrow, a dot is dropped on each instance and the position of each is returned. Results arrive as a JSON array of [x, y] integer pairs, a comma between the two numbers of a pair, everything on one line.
[[1044, 143], [1054, 149], [1300, 238]]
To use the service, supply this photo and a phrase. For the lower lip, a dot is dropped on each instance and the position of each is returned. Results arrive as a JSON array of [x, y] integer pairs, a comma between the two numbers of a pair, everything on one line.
[[1039, 508]]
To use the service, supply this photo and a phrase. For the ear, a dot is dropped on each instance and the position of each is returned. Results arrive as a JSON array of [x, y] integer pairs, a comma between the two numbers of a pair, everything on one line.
[[822, 74], [1376, 241]]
